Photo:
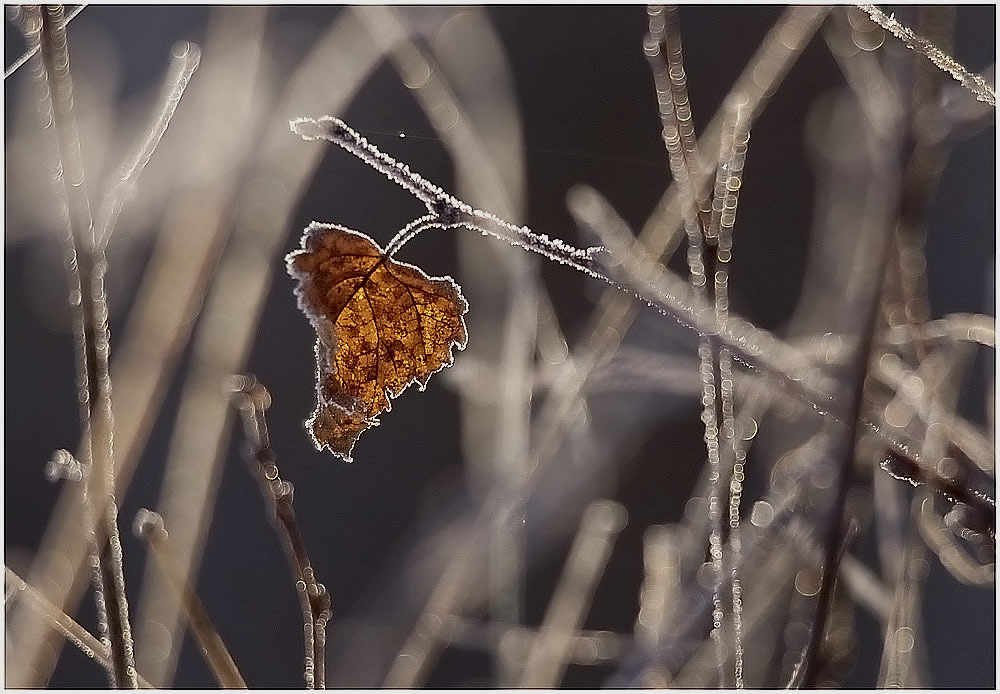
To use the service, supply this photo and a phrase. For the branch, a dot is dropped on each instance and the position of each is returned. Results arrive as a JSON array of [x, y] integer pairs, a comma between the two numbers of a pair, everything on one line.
[[253, 400], [973, 82], [148, 526], [28, 54], [45, 30], [71, 630]]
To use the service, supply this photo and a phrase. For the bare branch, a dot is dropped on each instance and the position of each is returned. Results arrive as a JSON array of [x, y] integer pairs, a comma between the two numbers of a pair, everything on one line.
[[973, 82]]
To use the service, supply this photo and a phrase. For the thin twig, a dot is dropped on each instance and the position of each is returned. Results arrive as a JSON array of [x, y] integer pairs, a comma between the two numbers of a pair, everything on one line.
[[683, 170], [148, 526], [807, 669], [728, 184], [34, 49], [975, 83], [86, 267], [186, 58], [885, 214], [672, 47], [253, 400], [447, 211], [71, 630], [982, 508]]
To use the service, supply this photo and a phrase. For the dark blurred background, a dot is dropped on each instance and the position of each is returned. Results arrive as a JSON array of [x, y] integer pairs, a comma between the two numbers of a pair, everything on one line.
[[588, 113]]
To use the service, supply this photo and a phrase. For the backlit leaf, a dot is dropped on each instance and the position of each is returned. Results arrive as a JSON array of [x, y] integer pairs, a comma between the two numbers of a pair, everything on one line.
[[380, 325]]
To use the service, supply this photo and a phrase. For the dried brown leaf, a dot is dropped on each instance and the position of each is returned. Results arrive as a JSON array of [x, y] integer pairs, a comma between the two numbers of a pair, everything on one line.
[[380, 325]]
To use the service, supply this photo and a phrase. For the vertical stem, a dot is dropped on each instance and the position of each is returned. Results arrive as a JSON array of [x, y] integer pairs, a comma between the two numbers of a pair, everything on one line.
[[253, 401], [723, 217], [836, 522], [149, 527], [86, 266], [678, 136]]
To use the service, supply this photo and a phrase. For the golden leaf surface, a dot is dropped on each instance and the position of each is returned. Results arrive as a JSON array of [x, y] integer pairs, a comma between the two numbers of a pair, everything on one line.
[[380, 326]]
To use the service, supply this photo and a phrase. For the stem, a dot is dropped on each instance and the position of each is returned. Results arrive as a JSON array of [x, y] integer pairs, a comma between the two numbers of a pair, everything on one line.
[[185, 60], [86, 266], [837, 527], [28, 54], [678, 137], [253, 400], [149, 527], [70, 629], [982, 508], [970, 80]]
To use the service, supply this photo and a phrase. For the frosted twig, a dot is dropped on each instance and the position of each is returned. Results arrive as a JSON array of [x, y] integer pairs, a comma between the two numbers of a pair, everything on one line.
[[34, 48], [404, 235], [682, 173], [973, 82], [591, 549], [253, 400], [186, 57], [981, 505], [680, 167], [148, 526], [70, 629], [728, 185], [448, 211], [664, 52], [86, 266], [337, 131]]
